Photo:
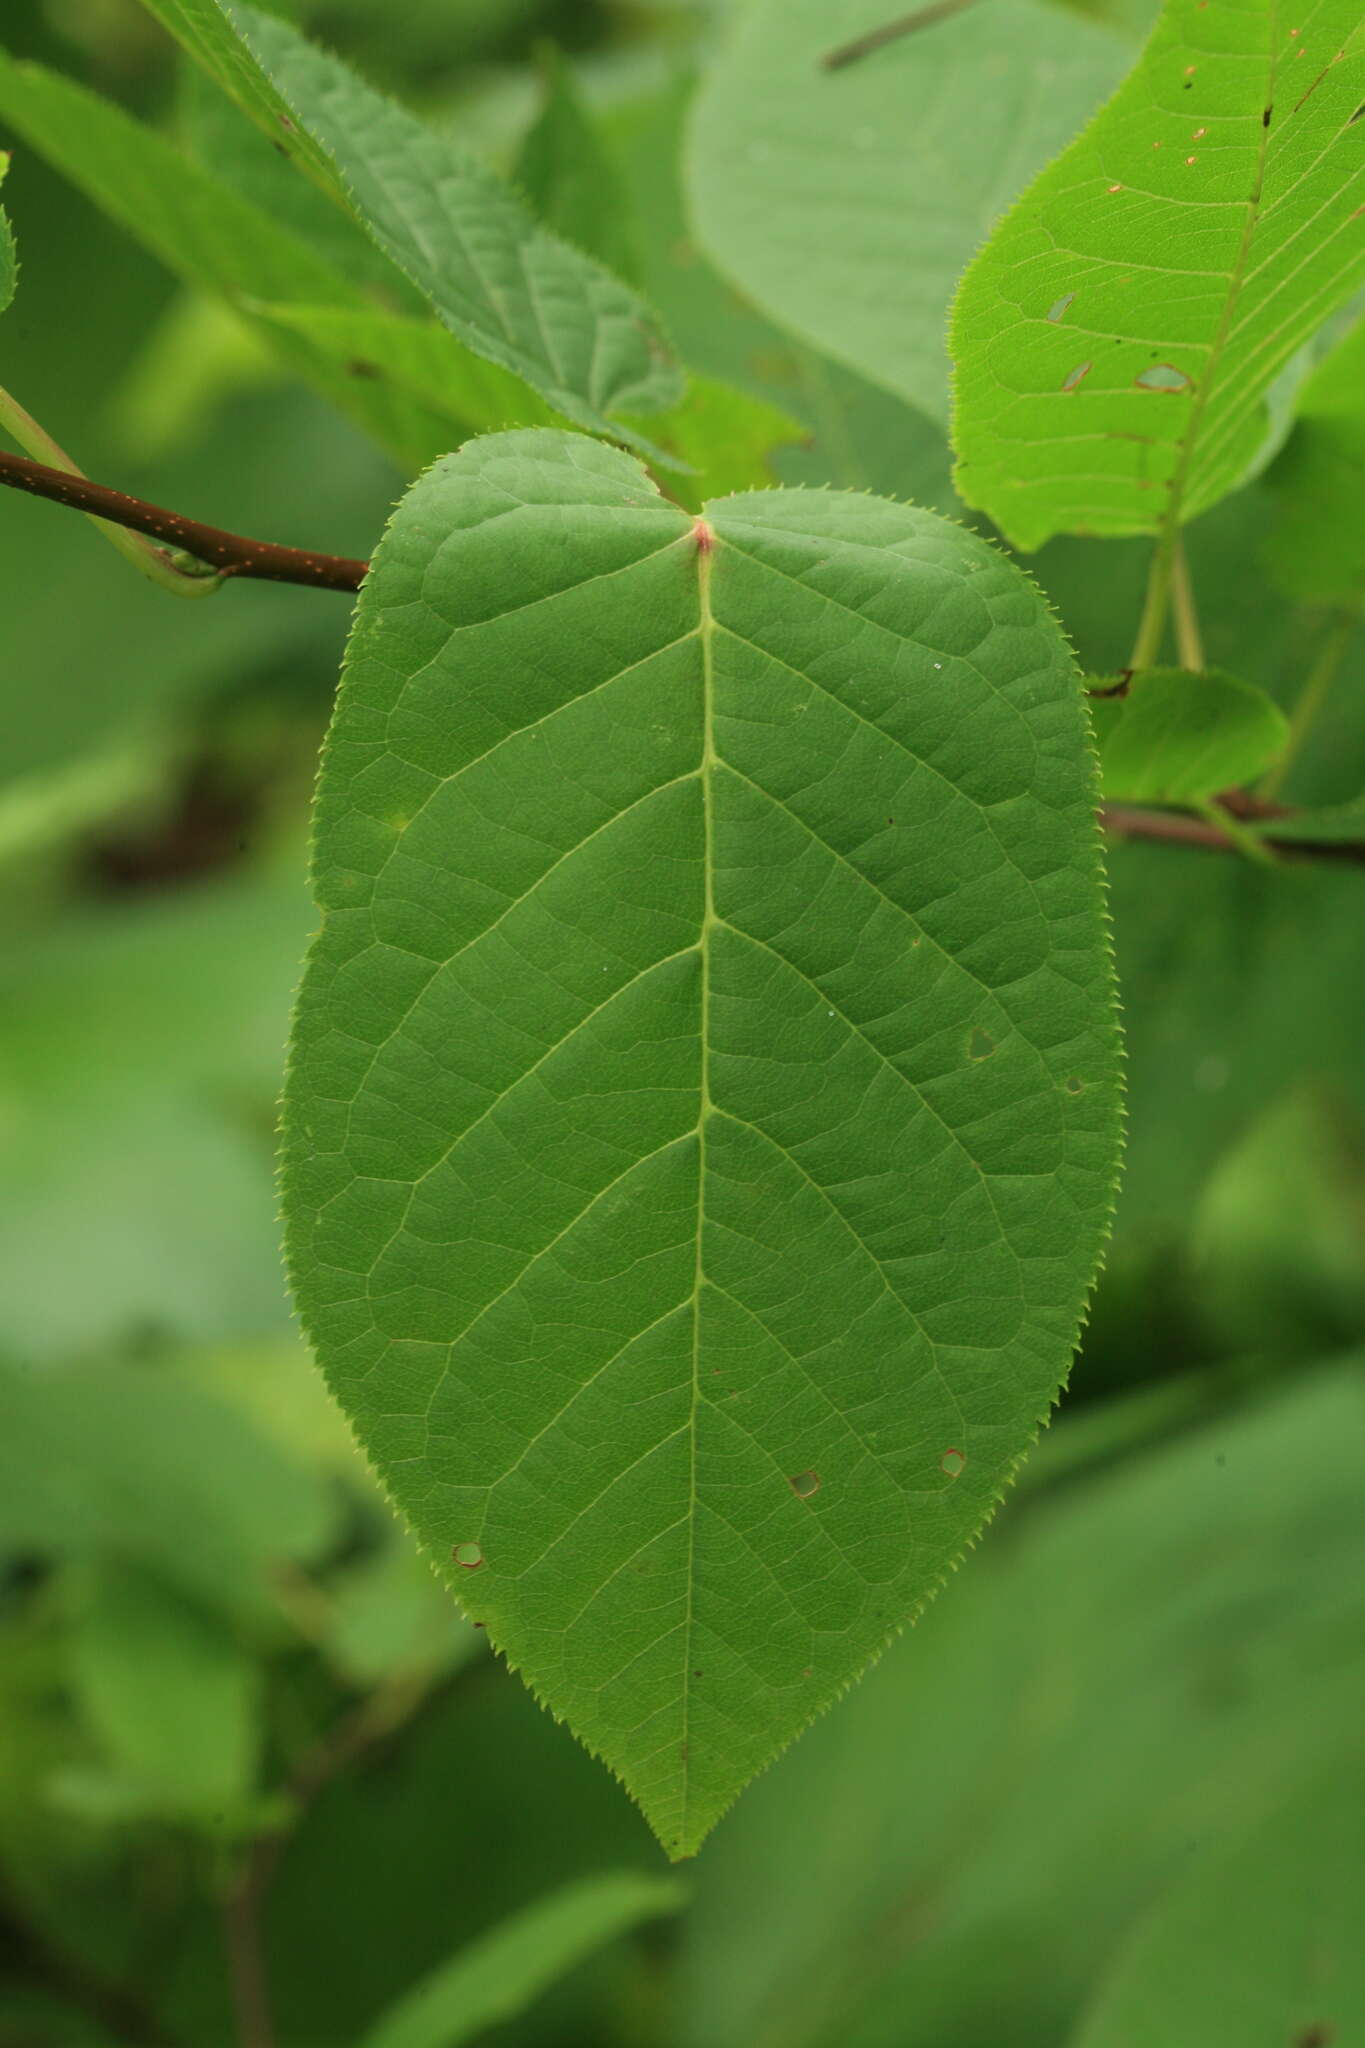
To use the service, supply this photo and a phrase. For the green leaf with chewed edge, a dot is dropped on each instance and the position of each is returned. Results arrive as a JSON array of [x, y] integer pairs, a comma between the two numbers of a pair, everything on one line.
[[1115, 340], [1172, 737], [1259, 1940], [1317, 551], [846, 203], [506, 286], [702, 1114], [9, 261], [506, 1970]]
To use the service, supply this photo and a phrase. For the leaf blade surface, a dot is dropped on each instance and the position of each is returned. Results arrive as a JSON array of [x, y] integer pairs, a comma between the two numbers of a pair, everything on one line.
[[1115, 341], [702, 1116]]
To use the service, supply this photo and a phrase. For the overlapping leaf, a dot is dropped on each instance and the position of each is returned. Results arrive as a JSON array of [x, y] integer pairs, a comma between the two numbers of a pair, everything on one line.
[[507, 287], [1115, 340], [702, 1118], [1171, 737], [846, 203]]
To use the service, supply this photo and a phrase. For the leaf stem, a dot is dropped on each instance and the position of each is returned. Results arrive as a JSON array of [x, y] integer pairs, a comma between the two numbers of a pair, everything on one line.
[[1189, 640], [197, 558], [157, 564], [1314, 693], [1151, 632]]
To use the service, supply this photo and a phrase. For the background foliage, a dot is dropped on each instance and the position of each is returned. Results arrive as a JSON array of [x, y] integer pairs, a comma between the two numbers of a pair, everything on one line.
[[237, 1714]]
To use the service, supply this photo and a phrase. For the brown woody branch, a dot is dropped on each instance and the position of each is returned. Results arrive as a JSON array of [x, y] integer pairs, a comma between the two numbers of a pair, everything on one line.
[[227, 554], [232, 554]]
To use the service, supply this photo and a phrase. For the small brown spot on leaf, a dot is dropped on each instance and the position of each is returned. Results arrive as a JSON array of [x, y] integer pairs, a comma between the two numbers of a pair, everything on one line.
[[1162, 377], [1076, 376], [804, 1484], [468, 1555], [953, 1461], [980, 1045], [1059, 306]]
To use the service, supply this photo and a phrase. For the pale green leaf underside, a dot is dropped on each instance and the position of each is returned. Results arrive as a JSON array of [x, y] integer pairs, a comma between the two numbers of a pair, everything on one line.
[[702, 1115], [498, 1976], [1177, 738], [507, 287], [846, 203], [1259, 1941], [1115, 340]]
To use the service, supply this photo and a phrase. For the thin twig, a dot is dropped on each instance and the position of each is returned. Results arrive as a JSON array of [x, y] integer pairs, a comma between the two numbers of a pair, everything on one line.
[[228, 554], [1178, 828], [891, 32]]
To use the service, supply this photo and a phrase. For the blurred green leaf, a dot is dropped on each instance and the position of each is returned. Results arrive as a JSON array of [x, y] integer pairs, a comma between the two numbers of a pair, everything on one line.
[[498, 1976], [391, 1613], [847, 202], [566, 169], [110, 1463], [9, 261], [1130, 1668], [1260, 1940], [1173, 737], [1098, 389], [209, 236], [856, 434], [1317, 551], [139, 1062], [1239, 983], [1325, 825], [171, 1692]]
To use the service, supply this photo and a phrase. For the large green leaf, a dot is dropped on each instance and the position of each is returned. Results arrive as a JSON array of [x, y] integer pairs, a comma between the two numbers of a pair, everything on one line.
[[498, 1977], [847, 202], [505, 285], [702, 1117], [1260, 1942], [1317, 551], [1116, 339]]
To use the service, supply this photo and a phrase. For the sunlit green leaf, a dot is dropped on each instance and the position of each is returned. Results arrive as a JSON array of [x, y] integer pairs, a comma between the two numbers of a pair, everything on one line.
[[1171, 737], [1116, 339], [702, 1118], [846, 203], [499, 1976], [1260, 1937]]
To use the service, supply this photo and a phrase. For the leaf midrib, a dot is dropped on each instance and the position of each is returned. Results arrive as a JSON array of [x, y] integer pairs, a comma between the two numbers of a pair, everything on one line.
[[705, 541], [1237, 279]]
